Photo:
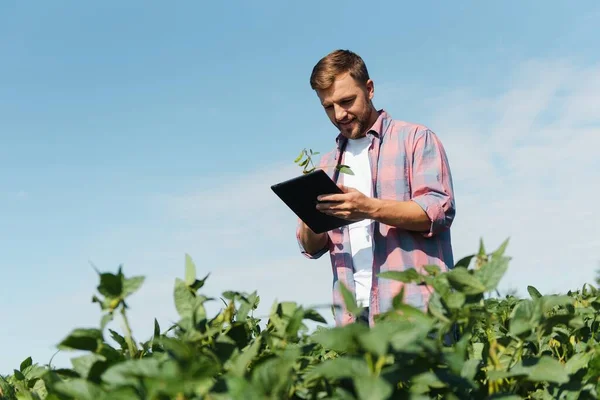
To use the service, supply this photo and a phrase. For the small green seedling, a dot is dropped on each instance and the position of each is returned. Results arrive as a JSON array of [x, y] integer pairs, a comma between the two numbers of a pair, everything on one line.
[[305, 161]]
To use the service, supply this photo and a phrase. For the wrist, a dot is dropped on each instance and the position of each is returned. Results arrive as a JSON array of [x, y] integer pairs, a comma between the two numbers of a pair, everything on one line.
[[310, 233], [373, 208]]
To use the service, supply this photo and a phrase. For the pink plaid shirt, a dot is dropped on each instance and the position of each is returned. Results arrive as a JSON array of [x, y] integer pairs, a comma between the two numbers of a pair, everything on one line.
[[408, 162]]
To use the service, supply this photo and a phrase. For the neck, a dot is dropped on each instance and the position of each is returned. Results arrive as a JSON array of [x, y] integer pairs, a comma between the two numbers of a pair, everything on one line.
[[374, 116]]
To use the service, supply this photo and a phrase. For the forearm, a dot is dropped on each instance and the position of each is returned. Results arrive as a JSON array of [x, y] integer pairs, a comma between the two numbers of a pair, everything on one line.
[[406, 215], [312, 242]]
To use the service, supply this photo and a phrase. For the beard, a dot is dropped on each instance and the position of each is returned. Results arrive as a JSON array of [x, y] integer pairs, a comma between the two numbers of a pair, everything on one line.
[[355, 129]]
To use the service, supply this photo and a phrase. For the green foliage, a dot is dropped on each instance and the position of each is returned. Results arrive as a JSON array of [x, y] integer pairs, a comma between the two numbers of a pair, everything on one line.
[[468, 345], [305, 161]]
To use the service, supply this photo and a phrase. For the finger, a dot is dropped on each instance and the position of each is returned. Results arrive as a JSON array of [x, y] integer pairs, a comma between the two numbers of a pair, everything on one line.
[[327, 206], [346, 189], [342, 214], [335, 207], [332, 197]]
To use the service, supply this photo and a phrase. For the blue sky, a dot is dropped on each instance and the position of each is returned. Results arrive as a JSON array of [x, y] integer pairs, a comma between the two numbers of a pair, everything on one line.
[[133, 133]]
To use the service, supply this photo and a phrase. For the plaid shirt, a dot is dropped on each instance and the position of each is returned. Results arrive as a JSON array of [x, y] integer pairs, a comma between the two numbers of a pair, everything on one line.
[[408, 162]]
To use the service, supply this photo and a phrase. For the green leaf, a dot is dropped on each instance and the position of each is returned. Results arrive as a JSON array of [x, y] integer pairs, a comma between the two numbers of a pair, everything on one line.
[[155, 337], [156, 328], [244, 309], [521, 318], [19, 375], [232, 295], [241, 362], [372, 388], [432, 270], [79, 389], [63, 373], [82, 365], [6, 389], [464, 262], [28, 362], [349, 299], [340, 367], [577, 322], [436, 308], [241, 389], [455, 300], [299, 156], [295, 323], [477, 352], [492, 272], [111, 285], [533, 292], [422, 383], [499, 253], [577, 362], [179, 349], [470, 368], [494, 375], [184, 299], [340, 338], [118, 338], [82, 339], [199, 283], [549, 302], [398, 299], [481, 252], [463, 281], [190, 270], [377, 339], [106, 318], [273, 375], [286, 309], [344, 169], [408, 333], [131, 285], [543, 369], [442, 285], [124, 373], [455, 359], [314, 316], [407, 276]]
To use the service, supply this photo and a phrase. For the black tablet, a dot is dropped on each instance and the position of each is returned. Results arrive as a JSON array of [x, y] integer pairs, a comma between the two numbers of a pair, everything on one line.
[[300, 195]]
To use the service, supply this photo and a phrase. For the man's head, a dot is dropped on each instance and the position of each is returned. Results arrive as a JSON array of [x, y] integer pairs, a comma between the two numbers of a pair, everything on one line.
[[345, 90]]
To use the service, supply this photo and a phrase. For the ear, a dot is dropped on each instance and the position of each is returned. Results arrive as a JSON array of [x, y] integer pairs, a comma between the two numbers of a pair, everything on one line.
[[370, 88]]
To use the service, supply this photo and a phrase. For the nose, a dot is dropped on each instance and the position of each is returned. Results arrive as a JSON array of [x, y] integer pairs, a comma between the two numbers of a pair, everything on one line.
[[340, 112]]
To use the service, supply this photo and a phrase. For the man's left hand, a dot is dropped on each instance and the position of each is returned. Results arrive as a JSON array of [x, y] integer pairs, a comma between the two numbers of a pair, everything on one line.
[[351, 205]]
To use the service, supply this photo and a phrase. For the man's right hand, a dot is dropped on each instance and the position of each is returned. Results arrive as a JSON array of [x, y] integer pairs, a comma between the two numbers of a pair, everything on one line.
[[312, 242]]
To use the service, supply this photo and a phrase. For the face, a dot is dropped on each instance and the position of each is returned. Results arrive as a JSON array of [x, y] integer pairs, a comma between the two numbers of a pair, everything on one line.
[[348, 105]]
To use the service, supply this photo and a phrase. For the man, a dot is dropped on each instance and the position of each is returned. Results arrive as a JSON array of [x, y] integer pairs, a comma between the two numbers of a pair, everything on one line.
[[400, 200]]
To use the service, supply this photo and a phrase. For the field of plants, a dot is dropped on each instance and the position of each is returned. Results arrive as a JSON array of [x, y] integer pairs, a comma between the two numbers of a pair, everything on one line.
[[538, 347]]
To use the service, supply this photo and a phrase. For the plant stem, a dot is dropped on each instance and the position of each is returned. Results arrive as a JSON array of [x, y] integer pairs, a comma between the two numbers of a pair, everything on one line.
[[311, 162], [128, 336]]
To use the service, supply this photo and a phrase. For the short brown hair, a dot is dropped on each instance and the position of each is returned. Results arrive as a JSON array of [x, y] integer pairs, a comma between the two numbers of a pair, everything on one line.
[[335, 63]]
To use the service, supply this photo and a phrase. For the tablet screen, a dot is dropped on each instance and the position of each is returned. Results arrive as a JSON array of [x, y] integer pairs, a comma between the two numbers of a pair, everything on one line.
[[300, 195]]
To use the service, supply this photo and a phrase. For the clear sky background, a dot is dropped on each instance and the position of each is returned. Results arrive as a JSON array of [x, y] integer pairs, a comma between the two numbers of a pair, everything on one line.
[[134, 132]]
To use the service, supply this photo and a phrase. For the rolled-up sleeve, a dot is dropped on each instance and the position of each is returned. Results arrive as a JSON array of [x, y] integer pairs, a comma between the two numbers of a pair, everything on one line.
[[431, 181], [312, 256]]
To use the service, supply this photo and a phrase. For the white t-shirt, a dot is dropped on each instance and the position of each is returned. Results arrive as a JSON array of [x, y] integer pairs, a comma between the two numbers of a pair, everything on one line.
[[357, 158]]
